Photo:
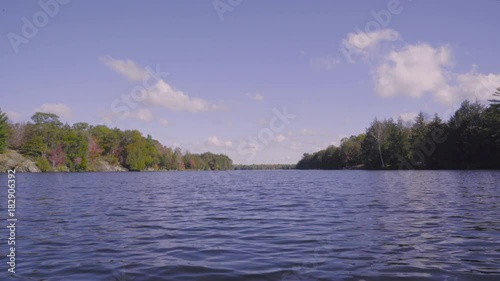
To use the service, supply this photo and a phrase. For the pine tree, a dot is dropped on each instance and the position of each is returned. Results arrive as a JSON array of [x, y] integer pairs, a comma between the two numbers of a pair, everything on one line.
[[496, 101]]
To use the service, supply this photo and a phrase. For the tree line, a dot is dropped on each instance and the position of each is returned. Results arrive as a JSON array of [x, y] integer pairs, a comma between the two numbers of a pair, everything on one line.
[[265, 167], [470, 139], [55, 146]]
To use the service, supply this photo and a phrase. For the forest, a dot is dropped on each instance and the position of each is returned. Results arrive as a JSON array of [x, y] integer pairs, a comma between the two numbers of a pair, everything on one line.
[[470, 139], [55, 146]]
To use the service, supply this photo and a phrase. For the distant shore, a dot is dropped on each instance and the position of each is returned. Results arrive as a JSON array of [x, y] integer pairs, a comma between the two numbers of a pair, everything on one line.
[[13, 159]]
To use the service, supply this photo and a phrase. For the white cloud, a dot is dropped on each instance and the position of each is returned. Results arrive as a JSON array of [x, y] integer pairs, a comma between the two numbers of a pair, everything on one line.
[[408, 116], [159, 93], [141, 114], [364, 41], [324, 63], [256, 97], [420, 69], [214, 141], [164, 95], [57, 108], [473, 85], [13, 116], [164, 122], [414, 71], [127, 68]]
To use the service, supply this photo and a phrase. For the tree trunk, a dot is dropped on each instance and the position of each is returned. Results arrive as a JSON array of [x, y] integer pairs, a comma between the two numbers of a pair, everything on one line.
[[380, 153]]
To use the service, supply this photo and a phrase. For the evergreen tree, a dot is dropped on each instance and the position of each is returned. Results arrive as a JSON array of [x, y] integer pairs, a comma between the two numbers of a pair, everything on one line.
[[470, 139]]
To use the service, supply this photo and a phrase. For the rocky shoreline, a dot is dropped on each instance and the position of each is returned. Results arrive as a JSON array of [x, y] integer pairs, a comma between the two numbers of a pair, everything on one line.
[[11, 159]]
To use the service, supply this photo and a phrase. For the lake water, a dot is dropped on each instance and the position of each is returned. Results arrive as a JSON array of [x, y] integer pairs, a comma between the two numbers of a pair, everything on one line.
[[256, 225]]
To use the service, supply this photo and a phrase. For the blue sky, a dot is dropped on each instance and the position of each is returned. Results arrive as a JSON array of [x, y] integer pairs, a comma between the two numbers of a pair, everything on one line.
[[222, 72]]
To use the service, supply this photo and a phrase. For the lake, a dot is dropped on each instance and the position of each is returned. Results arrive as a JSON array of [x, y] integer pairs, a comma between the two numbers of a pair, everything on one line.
[[256, 225]]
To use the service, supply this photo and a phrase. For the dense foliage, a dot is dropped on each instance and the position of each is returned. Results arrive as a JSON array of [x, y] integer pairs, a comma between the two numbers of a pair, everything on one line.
[[3, 131], [470, 139], [81, 147]]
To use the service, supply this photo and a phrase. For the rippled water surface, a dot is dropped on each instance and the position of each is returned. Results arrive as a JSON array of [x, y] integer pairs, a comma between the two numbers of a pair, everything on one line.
[[257, 225]]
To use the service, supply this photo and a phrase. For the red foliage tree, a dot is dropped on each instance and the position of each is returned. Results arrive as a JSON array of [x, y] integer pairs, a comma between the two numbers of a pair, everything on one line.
[[57, 156], [94, 150], [77, 160], [192, 164]]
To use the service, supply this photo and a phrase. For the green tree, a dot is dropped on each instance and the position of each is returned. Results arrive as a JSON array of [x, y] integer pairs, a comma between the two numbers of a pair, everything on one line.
[[43, 164], [435, 149], [373, 144], [4, 128], [305, 162], [466, 135], [75, 145], [136, 154], [331, 158], [151, 148], [35, 146], [495, 100], [136, 158], [470, 139], [81, 145], [45, 134], [46, 118], [398, 143], [107, 140], [81, 126], [491, 133], [350, 151]]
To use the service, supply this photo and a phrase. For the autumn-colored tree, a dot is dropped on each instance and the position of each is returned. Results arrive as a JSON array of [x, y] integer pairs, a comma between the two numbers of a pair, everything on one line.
[[57, 157], [17, 136], [94, 150], [178, 159], [51, 143]]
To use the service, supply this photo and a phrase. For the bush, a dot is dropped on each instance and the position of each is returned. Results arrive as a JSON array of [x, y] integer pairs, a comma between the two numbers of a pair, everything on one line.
[[43, 164]]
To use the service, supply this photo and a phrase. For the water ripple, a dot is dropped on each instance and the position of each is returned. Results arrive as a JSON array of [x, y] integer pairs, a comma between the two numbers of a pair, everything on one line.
[[259, 225]]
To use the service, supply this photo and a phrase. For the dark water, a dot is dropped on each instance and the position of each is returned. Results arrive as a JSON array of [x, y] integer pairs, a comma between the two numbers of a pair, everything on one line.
[[256, 225]]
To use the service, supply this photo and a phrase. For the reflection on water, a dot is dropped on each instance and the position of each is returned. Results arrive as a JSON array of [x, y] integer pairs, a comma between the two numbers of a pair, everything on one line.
[[259, 225]]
